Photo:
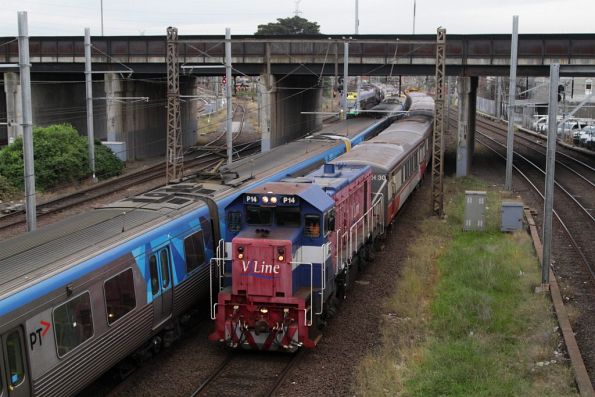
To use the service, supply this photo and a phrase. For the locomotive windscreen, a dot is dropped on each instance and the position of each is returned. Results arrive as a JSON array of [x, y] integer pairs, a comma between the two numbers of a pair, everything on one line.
[[258, 215]]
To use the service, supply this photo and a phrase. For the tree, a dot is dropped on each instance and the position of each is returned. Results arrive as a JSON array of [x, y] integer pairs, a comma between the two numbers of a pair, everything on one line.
[[289, 26]]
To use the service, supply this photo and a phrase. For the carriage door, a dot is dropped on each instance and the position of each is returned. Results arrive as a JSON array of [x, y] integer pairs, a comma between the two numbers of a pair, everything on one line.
[[14, 370], [161, 285]]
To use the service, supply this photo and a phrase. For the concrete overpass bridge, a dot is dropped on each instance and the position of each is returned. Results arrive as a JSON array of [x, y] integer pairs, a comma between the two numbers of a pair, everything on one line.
[[285, 63], [466, 55]]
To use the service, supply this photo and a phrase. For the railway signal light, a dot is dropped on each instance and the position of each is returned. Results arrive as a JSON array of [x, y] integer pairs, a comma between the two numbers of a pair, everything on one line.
[[560, 92]]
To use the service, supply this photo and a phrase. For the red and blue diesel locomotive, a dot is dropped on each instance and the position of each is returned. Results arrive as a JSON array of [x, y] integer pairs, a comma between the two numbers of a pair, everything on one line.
[[291, 245]]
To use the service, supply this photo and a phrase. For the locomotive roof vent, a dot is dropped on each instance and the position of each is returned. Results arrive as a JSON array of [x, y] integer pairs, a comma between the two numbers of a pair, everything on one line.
[[330, 171]]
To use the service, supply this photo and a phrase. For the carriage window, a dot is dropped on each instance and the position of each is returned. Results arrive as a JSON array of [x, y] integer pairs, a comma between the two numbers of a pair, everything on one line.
[[234, 221], [164, 257], [288, 216], [119, 295], [73, 323], [154, 274], [14, 354], [258, 215], [312, 227], [195, 252]]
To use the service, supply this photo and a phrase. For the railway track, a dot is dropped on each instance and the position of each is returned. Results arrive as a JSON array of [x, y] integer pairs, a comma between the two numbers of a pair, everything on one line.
[[574, 195], [195, 164], [573, 251], [258, 374]]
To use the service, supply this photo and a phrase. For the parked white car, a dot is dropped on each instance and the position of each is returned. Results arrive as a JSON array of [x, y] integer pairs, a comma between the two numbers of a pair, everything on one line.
[[586, 137], [540, 124], [570, 126]]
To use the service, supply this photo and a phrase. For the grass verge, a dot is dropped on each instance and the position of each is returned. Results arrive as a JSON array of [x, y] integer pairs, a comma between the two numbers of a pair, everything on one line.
[[464, 320]]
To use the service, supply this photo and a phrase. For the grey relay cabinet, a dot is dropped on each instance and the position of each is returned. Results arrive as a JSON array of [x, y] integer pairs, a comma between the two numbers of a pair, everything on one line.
[[512, 216], [475, 204]]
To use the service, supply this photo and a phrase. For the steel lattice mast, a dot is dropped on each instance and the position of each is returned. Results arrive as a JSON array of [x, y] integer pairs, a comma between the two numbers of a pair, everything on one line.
[[174, 156], [437, 142]]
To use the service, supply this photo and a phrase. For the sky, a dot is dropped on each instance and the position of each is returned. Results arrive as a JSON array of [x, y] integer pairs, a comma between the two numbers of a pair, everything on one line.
[[152, 17]]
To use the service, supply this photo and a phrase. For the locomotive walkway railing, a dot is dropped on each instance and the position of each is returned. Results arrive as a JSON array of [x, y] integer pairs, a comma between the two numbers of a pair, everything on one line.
[[218, 262], [367, 223], [310, 309]]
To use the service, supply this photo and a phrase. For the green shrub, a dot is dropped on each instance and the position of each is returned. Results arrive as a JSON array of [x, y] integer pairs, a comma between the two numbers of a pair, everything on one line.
[[107, 164], [7, 190], [60, 157]]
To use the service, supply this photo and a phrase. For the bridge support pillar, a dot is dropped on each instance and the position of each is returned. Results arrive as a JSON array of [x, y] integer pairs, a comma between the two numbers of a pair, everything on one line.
[[12, 90], [266, 86], [114, 107], [467, 91], [291, 95], [142, 125]]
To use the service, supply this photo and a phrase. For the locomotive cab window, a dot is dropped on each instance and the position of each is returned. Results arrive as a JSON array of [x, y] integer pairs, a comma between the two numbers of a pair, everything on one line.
[[289, 216], [330, 222], [195, 251], [258, 215], [73, 323], [119, 295], [312, 226], [234, 221]]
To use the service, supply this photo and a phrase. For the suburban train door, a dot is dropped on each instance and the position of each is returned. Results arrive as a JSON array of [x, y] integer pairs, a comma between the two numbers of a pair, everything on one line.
[[161, 285], [14, 365]]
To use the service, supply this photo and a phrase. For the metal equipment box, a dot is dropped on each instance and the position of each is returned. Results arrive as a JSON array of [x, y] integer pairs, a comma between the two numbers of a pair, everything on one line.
[[475, 204], [119, 148], [512, 216]]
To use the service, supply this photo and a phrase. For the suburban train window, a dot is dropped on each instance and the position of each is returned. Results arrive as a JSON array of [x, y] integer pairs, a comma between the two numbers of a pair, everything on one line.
[[154, 274], [258, 215], [119, 295], [312, 228], [234, 221], [288, 216], [195, 252], [164, 257], [73, 323], [14, 354]]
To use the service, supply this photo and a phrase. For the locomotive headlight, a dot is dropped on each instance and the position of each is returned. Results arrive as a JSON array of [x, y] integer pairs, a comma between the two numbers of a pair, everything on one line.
[[240, 256], [265, 199], [274, 200], [264, 310], [240, 252], [281, 258], [281, 252]]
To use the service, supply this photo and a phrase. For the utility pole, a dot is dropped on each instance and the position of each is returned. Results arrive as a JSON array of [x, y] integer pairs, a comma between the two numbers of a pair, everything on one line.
[[511, 101], [175, 158], [414, 7], [89, 90], [549, 174], [102, 17], [437, 145], [345, 78], [25, 71], [357, 78], [228, 93], [356, 17]]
